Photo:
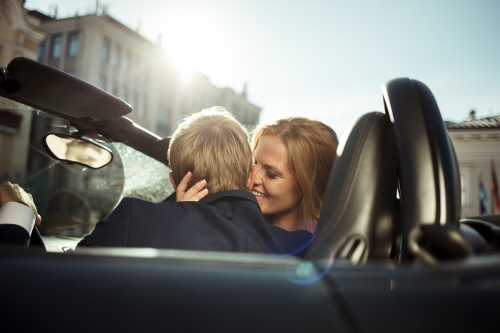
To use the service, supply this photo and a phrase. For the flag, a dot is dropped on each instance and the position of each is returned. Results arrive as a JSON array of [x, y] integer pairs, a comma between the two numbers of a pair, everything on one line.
[[483, 199], [494, 186]]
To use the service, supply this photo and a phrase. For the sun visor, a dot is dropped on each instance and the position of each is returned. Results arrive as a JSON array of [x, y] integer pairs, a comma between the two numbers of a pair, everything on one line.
[[51, 90]]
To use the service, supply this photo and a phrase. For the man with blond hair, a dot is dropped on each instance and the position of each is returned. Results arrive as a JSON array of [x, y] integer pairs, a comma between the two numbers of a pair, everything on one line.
[[211, 147], [214, 146]]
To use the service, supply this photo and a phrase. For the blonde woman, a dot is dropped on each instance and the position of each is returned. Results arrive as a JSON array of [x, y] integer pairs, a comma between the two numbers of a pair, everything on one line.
[[294, 157]]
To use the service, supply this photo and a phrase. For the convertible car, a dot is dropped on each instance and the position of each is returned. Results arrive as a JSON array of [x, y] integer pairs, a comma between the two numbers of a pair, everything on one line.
[[391, 253]]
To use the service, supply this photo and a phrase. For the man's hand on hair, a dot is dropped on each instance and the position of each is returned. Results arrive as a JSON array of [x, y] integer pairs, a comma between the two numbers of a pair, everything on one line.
[[13, 192], [195, 193]]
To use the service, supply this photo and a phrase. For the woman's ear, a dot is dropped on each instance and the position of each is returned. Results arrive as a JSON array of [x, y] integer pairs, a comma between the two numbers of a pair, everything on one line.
[[251, 176], [172, 180]]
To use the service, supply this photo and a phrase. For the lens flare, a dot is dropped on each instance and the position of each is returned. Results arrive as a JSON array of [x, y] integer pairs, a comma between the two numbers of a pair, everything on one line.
[[314, 267]]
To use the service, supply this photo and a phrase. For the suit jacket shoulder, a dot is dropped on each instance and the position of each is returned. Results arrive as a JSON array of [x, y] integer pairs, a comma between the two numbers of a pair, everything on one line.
[[229, 221], [113, 231]]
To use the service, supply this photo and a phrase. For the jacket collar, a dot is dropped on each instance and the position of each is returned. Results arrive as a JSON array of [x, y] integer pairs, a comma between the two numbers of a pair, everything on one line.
[[233, 193]]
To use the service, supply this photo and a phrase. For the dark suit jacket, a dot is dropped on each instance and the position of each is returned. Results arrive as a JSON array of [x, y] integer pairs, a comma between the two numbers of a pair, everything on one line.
[[12, 234], [224, 221]]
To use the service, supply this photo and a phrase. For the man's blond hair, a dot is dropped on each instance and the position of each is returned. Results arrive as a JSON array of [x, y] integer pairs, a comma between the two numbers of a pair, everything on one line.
[[214, 146]]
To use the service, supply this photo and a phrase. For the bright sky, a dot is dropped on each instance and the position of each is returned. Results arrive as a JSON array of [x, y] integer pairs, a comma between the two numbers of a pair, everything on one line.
[[326, 59]]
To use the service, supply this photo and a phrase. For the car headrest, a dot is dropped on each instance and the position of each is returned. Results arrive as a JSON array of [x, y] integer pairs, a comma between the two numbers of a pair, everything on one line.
[[358, 214], [429, 177]]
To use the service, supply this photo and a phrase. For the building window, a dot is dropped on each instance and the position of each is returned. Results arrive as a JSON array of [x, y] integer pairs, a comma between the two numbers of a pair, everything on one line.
[[163, 83], [141, 107], [236, 112], [41, 51], [115, 55], [10, 122], [102, 82], [244, 117], [124, 93], [114, 88], [133, 99], [145, 74], [56, 47], [162, 118], [126, 61], [136, 61], [105, 49], [465, 186], [191, 100], [73, 44], [208, 101]]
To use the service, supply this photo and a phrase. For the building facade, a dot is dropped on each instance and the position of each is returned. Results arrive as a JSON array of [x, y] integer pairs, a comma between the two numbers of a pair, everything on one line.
[[19, 32], [102, 51], [19, 37], [477, 145]]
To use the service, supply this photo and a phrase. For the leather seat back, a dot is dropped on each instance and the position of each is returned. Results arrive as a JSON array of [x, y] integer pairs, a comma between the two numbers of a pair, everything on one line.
[[429, 177], [358, 214]]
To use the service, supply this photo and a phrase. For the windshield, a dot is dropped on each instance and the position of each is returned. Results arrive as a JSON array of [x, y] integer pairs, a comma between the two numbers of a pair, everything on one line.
[[69, 197]]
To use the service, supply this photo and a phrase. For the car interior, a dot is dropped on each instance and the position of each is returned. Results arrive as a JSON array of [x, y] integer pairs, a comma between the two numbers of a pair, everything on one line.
[[406, 150], [391, 211]]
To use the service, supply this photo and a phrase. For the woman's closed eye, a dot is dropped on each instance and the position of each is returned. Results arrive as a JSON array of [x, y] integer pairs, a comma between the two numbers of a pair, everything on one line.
[[272, 175]]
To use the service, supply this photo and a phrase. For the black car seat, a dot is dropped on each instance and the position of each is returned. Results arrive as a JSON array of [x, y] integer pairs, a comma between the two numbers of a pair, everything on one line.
[[429, 178], [358, 218]]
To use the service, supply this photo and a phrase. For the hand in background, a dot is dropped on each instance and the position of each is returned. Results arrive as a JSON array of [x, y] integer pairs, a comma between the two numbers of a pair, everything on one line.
[[13, 192]]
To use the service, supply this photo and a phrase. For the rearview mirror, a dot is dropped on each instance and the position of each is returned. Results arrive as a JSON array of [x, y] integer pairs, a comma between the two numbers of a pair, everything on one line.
[[70, 149]]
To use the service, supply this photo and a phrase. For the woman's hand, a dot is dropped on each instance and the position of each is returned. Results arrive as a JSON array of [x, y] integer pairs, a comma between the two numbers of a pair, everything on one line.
[[195, 193]]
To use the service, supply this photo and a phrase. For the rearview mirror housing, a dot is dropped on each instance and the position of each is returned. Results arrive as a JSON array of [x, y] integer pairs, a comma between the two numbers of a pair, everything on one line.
[[75, 150]]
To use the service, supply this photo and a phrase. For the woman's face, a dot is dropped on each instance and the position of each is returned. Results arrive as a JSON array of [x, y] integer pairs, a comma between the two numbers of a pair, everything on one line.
[[274, 184]]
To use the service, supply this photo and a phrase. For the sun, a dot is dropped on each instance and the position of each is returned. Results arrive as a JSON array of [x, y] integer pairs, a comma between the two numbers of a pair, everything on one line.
[[194, 42], [184, 68]]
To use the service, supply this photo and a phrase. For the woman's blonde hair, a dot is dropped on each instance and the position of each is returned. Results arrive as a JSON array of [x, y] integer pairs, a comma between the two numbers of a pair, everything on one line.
[[214, 146], [312, 148]]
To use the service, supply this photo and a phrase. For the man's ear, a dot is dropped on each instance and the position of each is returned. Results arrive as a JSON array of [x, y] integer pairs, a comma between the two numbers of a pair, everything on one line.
[[251, 176], [172, 180]]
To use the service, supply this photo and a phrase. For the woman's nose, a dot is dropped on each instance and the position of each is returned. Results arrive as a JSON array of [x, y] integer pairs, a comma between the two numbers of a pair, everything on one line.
[[258, 176]]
